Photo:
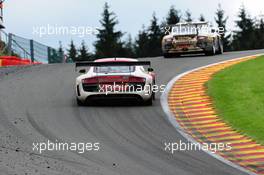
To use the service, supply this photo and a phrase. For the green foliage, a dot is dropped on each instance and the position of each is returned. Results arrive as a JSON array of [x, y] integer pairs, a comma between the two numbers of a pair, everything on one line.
[[201, 18], [188, 16], [260, 34], [4, 50], [56, 56], [72, 52], [60, 53], [129, 48], [108, 42], [221, 21], [60, 50], [173, 16], [148, 41], [238, 96], [84, 55], [245, 37], [142, 43], [155, 36]]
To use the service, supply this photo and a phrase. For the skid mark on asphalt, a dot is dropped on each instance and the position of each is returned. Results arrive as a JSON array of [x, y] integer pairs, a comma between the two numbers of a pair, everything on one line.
[[194, 111]]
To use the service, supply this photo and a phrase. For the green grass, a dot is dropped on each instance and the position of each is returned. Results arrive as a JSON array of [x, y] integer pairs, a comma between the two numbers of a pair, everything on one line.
[[238, 95]]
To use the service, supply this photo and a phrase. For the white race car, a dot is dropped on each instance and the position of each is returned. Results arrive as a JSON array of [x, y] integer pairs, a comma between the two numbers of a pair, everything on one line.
[[115, 78], [192, 37]]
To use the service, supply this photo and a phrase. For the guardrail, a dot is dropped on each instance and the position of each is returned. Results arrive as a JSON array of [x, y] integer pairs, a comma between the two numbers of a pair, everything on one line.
[[28, 49]]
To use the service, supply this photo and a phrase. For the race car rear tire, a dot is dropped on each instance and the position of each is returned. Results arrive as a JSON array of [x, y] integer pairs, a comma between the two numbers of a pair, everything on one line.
[[220, 47], [154, 96], [153, 93], [167, 55], [176, 55], [212, 51], [171, 55], [79, 102], [148, 102]]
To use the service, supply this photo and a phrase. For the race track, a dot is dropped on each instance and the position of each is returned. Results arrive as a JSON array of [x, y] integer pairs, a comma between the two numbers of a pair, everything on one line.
[[38, 103]]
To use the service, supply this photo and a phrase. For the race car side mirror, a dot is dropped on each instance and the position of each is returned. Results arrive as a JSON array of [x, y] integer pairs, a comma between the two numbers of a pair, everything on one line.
[[150, 69], [82, 71]]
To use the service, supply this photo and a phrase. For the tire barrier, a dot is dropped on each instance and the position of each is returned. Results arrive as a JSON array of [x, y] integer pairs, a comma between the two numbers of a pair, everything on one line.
[[15, 61]]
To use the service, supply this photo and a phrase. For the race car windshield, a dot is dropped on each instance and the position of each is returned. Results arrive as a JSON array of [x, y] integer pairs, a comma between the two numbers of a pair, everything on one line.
[[114, 69]]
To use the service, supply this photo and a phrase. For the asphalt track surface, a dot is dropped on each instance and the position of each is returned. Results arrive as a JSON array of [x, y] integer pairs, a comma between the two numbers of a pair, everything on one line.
[[38, 103]]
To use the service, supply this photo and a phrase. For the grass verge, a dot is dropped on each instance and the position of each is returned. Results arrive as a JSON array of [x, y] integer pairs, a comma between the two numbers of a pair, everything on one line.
[[238, 95]]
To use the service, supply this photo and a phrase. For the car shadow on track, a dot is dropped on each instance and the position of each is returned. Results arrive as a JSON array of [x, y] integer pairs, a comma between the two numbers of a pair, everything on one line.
[[115, 103], [189, 56]]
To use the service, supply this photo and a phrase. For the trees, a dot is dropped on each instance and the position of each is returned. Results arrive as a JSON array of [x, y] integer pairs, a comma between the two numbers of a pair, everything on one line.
[[129, 48], [155, 36], [188, 16], [173, 16], [61, 53], [141, 43], [221, 21], [244, 38], [201, 18], [148, 41], [260, 34], [108, 42], [72, 52], [84, 55], [75, 55], [60, 50]]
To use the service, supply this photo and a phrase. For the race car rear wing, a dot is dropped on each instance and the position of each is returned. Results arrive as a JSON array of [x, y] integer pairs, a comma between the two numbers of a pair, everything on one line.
[[114, 63]]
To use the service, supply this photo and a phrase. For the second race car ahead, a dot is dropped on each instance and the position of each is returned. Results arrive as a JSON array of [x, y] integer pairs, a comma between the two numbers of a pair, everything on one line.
[[186, 38], [115, 78]]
